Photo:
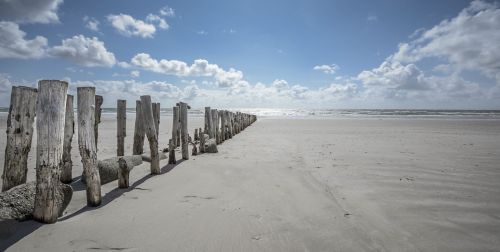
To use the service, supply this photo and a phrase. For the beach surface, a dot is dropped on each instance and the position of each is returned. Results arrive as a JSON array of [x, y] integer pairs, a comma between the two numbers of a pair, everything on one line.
[[352, 184]]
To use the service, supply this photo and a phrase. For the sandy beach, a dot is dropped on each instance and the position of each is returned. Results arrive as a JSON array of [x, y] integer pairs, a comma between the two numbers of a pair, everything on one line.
[[356, 184]]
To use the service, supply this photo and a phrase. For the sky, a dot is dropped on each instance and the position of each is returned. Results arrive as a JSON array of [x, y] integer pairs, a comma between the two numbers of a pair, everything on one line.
[[259, 54]]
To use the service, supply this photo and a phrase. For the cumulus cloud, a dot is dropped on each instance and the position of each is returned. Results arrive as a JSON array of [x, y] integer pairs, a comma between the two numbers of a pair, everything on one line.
[[468, 41], [129, 26], [328, 69], [28, 11], [13, 43], [89, 52], [135, 74], [157, 19], [200, 67], [347, 90], [167, 11], [91, 23], [394, 75]]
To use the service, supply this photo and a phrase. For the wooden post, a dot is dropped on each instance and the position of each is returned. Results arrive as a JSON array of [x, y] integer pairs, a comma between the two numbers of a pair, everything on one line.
[[149, 126], [123, 173], [69, 130], [50, 117], [209, 122], [222, 135], [171, 152], [175, 125], [196, 138], [121, 126], [184, 130], [98, 103], [202, 142], [19, 134], [139, 133], [156, 117], [214, 124], [87, 145]]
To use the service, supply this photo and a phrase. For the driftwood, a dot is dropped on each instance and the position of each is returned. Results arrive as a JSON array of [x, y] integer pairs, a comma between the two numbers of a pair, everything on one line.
[[18, 202], [146, 157], [108, 168], [121, 126], [138, 147], [19, 135], [210, 146], [50, 116], [184, 131], [69, 130], [87, 144], [149, 126]]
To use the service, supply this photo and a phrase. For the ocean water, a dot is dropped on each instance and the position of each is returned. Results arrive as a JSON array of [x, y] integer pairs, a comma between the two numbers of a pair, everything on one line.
[[338, 113]]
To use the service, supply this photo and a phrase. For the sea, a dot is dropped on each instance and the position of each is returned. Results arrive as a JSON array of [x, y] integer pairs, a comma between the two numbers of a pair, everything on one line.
[[337, 113]]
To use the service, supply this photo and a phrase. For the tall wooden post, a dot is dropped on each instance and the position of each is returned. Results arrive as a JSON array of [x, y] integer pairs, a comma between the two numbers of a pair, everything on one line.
[[215, 118], [175, 125], [121, 126], [222, 135], [19, 134], [87, 144], [184, 130], [69, 130], [149, 126], [156, 116], [98, 103], [209, 122], [50, 117], [138, 147]]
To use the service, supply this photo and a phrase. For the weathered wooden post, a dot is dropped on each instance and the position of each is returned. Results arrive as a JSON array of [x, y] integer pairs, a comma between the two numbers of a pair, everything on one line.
[[214, 124], [121, 126], [175, 125], [87, 145], [69, 130], [139, 133], [156, 116], [209, 122], [202, 142], [184, 130], [123, 173], [98, 103], [19, 134], [149, 126], [231, 124], [171, 152], [222, 131], [50, 117], [196, 138]]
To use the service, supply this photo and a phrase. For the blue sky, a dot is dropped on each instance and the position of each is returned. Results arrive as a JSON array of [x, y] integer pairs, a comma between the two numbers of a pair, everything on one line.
[[289, 54]]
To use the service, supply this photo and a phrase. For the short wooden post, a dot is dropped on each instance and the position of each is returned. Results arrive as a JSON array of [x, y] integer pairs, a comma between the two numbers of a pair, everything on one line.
[[19, 135], [156, 116], [202, 142], [98, 103], [138, 147], [50, 117], [87, 145], [175, 125], [69, 130], [213, 113], [123, 173], [196, 138], [171, 152], [121, 126], [149, 126], [184, 130]]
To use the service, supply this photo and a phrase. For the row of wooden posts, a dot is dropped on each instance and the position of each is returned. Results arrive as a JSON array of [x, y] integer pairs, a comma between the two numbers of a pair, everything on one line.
[[55, 121]]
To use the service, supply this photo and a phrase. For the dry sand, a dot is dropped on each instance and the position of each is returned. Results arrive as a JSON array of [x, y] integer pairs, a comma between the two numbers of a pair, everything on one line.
[[293, 185]]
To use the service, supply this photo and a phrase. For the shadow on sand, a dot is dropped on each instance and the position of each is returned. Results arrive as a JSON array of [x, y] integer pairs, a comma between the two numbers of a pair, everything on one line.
[[11, 231]]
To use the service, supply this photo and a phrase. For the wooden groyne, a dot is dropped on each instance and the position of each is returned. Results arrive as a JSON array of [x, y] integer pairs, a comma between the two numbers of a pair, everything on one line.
[[55, 120]]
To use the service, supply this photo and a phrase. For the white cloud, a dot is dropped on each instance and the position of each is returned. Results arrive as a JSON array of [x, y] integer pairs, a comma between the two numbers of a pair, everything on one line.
[[347, 90], [91, 23], [155, 18], [328, 69], [129, 26], [28, 11], [200, 67], [202, 32], [372, 18], [135, 74], [468, 41], [84, 51], [167, 11], [14, 45], [395, 76], [5, 85]]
